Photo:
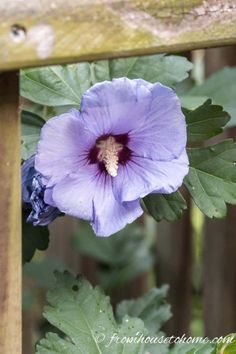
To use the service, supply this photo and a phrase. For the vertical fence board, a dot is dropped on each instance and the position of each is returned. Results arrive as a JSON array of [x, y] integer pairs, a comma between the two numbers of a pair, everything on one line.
[[174, 267], [220, 241], [220, 276], [10, 219]]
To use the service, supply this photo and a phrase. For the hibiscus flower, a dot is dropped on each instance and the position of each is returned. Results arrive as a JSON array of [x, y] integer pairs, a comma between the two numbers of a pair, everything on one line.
[[127, 140]]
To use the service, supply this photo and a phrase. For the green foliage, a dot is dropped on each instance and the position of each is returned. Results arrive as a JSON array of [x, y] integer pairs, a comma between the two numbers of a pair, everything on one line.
[[221, 87], [41, 271], [62, 85], [205, 121], [38, 277], [28, 145], [56, 85], [193, 348], [152, 309], [33, 238], [85, 316], [212, 177], [85, 322], [165, 206], [120, 258], [228, 345], [168, 70], [31, 125]]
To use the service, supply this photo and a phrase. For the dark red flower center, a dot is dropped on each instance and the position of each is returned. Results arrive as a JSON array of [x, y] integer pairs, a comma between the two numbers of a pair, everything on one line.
[[109, 151]]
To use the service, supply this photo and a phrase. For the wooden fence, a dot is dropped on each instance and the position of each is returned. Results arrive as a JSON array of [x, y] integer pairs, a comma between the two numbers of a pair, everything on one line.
[[36, 33]]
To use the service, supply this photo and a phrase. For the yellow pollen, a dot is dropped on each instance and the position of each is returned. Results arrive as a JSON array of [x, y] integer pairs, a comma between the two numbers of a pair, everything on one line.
[[109, 154]]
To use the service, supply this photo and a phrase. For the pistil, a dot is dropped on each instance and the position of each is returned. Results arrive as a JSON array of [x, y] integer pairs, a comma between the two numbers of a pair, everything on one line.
[[108, 153]]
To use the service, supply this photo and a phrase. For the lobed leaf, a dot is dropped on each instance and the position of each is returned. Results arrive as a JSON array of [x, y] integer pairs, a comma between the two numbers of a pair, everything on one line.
[[153, 310], [150, 307], [165, 206], [193, 348], [168, 70], [212, 177], [85, 316], [221, 87], [205, 121], [56, 85]]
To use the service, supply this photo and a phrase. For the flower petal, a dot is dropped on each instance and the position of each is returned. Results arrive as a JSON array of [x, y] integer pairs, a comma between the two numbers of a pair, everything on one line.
[[89, 196], [111, 216], [63, 146], [142, 176], [115, 107], [162, 135], [48, 196]]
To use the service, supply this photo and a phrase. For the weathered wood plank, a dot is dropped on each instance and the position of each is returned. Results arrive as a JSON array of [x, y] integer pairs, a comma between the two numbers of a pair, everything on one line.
[[49, 32], [220, 241], [174, 267], [10, 216]]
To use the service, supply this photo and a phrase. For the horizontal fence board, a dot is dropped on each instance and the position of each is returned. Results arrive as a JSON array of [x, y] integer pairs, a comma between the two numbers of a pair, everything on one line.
[[43, 32]]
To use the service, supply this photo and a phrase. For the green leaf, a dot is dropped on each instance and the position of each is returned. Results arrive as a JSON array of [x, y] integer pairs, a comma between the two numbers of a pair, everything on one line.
[[85, 316], [53, 344], [124, 255], [205, 121], [28, 145], [34, 237], [193, 348], [150, 307], [158, 347], [56, 85], [165, 206], [41, 271], [31, 123], [100, 71], [212, 177], [166, 69], [221, 87], [192, 102], [228, 345], [153, 310]]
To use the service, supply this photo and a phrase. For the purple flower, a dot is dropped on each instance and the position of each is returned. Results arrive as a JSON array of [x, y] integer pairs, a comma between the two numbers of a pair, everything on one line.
[[128, 140], [33, 191]]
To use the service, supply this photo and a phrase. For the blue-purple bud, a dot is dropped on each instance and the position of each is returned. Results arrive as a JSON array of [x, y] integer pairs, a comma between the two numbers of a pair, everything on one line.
[[33, 196]]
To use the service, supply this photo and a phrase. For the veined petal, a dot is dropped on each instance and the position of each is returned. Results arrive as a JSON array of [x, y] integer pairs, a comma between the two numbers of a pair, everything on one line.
[[63, 147], [115, 107], [74, 194], [48, 196], [111, 216], [88, 195], [162, 135], [142, 176]]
